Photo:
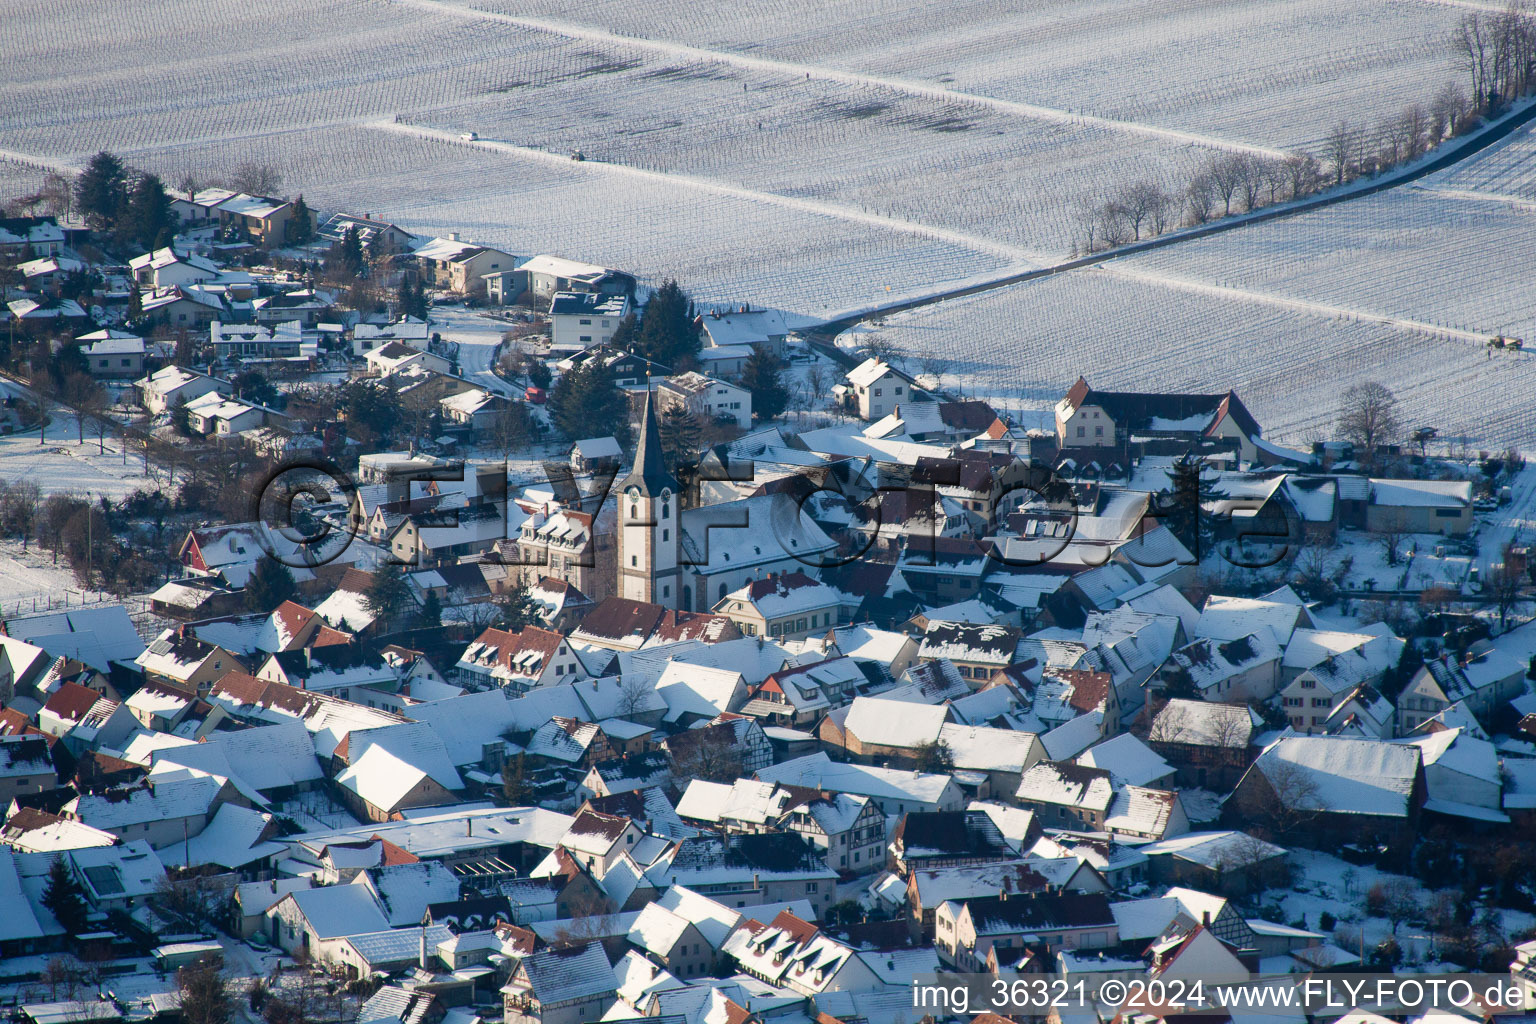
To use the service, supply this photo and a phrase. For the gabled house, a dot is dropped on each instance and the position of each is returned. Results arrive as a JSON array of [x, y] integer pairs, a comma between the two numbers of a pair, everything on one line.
[[565, 985], [671, 941], [977, 651], [524, 660], [112, 353], [968, 932], [945, 839], [708, 399], [1245, 669], [1087, 418], [1484, 680], [875, 389], [178, 658], [262, 220], [1335, 790], [172, 386], [461, 267], [786, 606], [1210, 744], [166, 268]]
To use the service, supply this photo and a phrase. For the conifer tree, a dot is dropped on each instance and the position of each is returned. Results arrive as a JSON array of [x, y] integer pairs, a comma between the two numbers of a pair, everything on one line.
[[667, 332], [269, 586], [301, 227], [64, 897], [100, 191], [764, 378], [388, 595]]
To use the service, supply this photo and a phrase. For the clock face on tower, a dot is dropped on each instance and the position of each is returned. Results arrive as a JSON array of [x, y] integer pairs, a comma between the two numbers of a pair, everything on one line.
[[666, 493], [634, 494]]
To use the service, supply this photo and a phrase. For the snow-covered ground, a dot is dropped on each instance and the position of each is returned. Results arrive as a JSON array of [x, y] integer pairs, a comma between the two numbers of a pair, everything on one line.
[[59, 462], [1328, 884], [814, 164], [1023, 346], [30, 582]]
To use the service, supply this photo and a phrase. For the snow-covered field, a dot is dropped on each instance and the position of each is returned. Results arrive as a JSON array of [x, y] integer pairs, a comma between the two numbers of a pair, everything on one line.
[[817, 159], [1257, 71], [1023, 346], [1403, 287]]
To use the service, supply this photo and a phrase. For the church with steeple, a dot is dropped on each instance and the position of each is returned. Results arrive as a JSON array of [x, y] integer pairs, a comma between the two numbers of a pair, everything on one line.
[[650, 524]]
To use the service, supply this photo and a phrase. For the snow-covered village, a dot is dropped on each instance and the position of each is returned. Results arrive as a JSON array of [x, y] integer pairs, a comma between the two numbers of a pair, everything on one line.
[[849, 513]]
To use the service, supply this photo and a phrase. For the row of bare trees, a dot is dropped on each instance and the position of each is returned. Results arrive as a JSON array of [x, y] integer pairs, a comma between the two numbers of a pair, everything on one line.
[[1498, 51], [1233, 183]]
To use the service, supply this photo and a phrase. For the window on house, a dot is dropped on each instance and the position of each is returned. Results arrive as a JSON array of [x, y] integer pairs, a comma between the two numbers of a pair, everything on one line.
[[1098, 431], [634, 560], [878, 392], [1082, 431]]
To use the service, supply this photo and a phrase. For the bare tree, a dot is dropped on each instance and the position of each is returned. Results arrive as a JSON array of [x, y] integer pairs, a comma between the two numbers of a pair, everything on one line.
[[1302, 174], [1506, 586], [1114, 225], [1393, 533], [1342, 146], [1396, 899], [1226, 174], [816, 380], [1087, 212], [710, 754], [1251, 178], [256, 179], [1414, 125], [58, 193], [1368, 417], [1446, 111], [204, 994], [1200, 198], [1471, 43], [1144, 202], [1290, 796], [635, 696]]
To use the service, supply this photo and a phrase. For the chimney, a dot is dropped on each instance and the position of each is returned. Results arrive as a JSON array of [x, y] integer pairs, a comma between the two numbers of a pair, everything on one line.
[[453, 236], [754, 881], [422, 958], [1205, 919], [469, 826]]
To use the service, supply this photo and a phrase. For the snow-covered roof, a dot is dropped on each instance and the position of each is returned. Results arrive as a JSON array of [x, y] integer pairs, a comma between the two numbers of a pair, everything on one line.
[[867, 372], [821, 772], [699, 690], [1215, 849], [1128, 759], [333, 911], [1230, 618], [894, 723], [1341, 775], [984, 749], [381, 778], [231, 840]]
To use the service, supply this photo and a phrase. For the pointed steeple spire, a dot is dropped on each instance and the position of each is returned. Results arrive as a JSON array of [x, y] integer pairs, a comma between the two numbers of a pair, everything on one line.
[[650, 472]]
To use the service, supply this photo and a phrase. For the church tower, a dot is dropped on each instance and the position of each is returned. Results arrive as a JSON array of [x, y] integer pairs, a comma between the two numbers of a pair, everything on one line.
[[650, 527]]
